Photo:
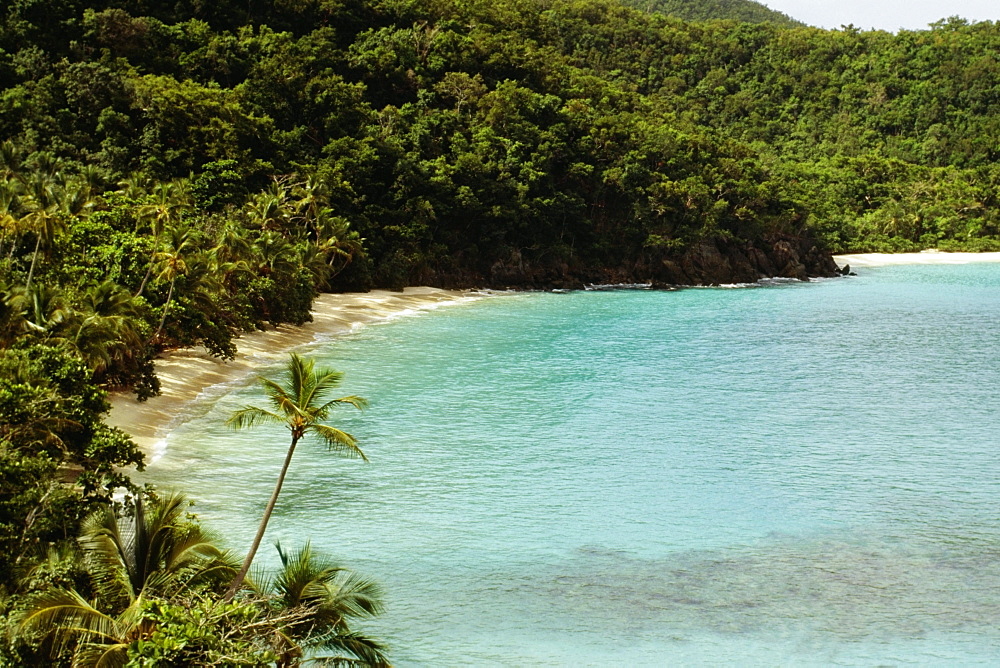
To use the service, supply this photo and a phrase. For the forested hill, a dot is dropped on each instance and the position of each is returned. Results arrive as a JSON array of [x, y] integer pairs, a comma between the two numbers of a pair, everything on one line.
[[746, 11], [177, 172], [217, 162]]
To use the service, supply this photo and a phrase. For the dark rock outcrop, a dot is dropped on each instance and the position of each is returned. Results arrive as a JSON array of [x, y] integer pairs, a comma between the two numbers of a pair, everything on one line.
[[706, 262], [720, 262]]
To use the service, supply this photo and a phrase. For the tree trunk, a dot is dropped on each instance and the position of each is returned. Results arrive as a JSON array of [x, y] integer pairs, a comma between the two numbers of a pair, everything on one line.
[[145, 279], [34, 257], [163, 318], [238, 580], [149, 267]]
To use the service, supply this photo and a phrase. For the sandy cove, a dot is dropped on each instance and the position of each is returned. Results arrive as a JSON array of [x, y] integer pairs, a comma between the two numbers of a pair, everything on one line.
[[184, 374], [924, 257]]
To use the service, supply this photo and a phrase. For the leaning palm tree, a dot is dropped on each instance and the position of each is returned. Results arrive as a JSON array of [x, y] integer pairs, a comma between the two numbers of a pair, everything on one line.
[[154, 553], [172, 264], [164, 209], [298, 402]]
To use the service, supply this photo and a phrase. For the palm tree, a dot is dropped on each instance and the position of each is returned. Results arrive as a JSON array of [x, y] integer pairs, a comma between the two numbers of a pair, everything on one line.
[[269, 210], [172, 263], [153, 553], [298, 402], [169, 202], [51, 200], [327, 597], [336, 241], [312, 193], [136, 185], [107, 327], [45, 311], [273, 254], [44, 219]]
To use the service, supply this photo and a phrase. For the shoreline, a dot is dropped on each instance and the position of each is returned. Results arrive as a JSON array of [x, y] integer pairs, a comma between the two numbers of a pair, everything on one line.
[[923, 257], [186, 373]]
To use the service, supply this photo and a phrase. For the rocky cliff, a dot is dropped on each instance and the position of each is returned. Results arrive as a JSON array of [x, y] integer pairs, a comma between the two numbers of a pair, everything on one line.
[[707, 262]]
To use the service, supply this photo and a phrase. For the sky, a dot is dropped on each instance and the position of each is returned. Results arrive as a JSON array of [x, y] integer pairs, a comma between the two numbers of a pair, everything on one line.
[[888, 15]]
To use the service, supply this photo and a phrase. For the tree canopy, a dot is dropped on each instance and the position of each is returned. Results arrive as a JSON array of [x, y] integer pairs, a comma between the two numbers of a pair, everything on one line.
[[179, 173]]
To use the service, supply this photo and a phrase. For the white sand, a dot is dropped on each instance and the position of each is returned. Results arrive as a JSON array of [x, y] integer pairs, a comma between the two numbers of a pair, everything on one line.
[[185, 374], [924, 257]]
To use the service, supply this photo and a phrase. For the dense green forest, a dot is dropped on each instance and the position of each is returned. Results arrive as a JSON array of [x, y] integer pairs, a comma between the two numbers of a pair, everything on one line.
[[746, 11], [178, 173]]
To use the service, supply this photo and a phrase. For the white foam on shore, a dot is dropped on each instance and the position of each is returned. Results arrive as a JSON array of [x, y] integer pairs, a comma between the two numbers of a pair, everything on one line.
[[618, 286]]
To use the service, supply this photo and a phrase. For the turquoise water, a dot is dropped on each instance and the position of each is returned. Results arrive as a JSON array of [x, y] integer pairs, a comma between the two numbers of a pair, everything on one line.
[[796, 474]]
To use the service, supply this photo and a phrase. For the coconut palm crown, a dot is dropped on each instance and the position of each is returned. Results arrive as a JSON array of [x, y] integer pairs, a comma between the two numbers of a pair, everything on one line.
[[326, 597], [155, 553], [299, 402]]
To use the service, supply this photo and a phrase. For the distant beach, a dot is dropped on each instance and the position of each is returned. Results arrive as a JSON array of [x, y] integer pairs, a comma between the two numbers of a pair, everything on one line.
[[184, 374], [924, 257]]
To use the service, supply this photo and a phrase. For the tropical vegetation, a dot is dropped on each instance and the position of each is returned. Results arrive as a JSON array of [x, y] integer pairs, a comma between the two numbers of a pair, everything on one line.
[[180, 173], [151, 586]]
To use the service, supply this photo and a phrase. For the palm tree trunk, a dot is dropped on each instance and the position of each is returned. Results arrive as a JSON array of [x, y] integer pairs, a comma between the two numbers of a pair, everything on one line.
[[238, 580], [34, 257], [149, 267], [163, 318], [145, 279]]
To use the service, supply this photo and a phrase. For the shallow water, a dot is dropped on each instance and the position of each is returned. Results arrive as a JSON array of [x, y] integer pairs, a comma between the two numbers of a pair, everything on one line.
[[794, 474]]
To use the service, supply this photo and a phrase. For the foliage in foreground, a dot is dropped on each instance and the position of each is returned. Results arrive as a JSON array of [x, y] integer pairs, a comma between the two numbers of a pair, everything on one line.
[[148, 591]]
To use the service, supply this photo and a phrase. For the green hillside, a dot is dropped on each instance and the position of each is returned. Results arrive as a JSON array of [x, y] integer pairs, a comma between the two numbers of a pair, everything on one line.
[[176, 173], [746, 11]]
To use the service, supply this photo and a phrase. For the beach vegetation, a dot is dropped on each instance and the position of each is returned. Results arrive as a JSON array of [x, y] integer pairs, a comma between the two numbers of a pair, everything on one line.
[[153, 551], [143, 586]]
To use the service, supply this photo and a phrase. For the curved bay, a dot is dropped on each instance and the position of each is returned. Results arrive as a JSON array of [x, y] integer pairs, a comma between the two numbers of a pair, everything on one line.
[[800, 474]]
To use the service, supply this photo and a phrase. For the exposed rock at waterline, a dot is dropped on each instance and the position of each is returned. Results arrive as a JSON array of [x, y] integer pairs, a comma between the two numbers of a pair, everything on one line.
[[706, 262], [720, 262]]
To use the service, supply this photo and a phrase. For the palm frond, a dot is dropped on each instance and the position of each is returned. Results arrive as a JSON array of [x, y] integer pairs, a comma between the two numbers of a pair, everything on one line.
[[297, 383], [251, 416], [67, 617], [108, 554], [353, 595], [281, 398], [369, 652], [101, 655], [338, 441], [352, 400], [303, 577], [322, 382]]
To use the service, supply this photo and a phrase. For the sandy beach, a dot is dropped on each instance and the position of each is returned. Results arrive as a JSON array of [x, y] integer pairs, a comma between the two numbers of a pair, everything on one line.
[[924, 257], [185, 374]]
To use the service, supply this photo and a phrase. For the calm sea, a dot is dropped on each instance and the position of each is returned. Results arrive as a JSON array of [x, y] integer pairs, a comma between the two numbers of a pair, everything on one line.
[[792, 474]]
